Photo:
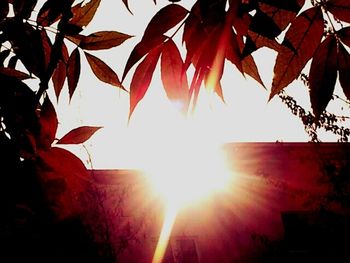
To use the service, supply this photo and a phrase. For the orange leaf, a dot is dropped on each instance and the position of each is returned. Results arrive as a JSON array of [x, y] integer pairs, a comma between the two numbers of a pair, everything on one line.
[[165, 19], [323, 74], [58, 77], [344, 70], [103, 40], [83, 14], [173, 75], [304, 35], [73, 71], [102, 71], [140, 50], [78, 135], [142, 78], [340, 9]]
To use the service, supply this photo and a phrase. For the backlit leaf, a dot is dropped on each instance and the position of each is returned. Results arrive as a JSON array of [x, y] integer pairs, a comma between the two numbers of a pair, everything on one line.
[[140, 50], [173, 75], [73, 71], [142, 78], [78, 135], [340, 9], [290, 5], [14, 73], [47, 46], [102, 71], [165, 19], [233, 53], [48, 124], [103, 40], [323, 75], [49, 13], [304, 35], [344, 70], [264, 25], [83, 14]]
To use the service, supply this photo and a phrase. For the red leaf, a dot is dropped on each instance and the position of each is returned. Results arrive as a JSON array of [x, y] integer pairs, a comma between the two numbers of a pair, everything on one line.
[[233, 52], [103, 40], [142, 78], [47, 46], [344, 35], [140, 50], [48, 124], [102, 71], [248, 65], [323, 75], [340, 9], [58, 77], [14, 73], [165, 19], [344, 70], [78, 135], [174, 77], [73, 71], [281, 17], [83, 14], [304, 35]]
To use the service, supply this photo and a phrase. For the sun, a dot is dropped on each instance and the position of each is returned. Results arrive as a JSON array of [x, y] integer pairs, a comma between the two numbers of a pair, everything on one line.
[[185, 172]]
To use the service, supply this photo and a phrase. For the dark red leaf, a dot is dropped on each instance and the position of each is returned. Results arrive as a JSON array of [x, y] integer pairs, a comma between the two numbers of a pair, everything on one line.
[[13, 62], [14, 73], [173, 75], [142, 78], [73, 71], [264, 25], [290, 5], [49, 13], [22, 8], [323, 75], [103, 40], [304, 35], [340, 9], [47, 46], [83, 14], [344, 35], [249, 66], [344, 70], [78, 135], [76, 39], [281, 17], [58, 77], [126, 3], [233, 52], [48, 124], [102, 71], [165, 19], [140, 50]]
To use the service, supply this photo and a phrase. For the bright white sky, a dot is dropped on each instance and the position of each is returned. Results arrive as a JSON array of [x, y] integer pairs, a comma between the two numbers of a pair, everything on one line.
[[246, 116]]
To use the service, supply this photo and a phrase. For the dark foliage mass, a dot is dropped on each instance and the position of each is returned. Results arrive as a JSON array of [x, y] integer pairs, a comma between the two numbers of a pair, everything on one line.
[[34, 40]]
